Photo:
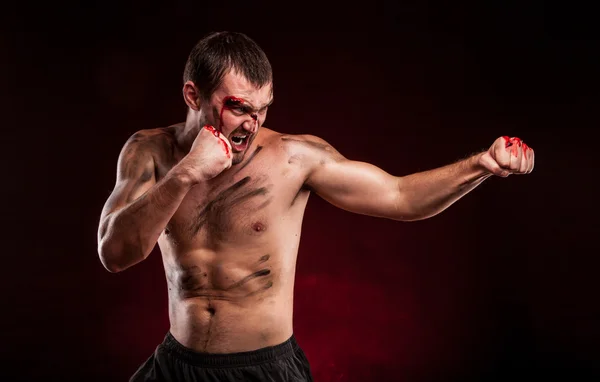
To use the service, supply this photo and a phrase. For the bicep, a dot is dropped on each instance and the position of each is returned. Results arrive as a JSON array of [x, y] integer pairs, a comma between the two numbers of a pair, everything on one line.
[[354, 186], [135, 175]]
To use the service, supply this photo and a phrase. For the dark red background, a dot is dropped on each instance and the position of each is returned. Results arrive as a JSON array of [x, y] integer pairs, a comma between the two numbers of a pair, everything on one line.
[[500, 287]]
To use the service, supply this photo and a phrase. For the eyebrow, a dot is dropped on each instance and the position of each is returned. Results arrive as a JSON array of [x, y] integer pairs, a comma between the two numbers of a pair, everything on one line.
[[249, 106], [269, 103]]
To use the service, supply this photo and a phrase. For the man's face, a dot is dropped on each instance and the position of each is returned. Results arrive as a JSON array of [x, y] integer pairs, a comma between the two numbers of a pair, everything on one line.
[[238, 109]]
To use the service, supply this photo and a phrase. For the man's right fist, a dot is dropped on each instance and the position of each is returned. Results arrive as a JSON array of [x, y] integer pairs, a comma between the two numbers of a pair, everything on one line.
[[210, 154]]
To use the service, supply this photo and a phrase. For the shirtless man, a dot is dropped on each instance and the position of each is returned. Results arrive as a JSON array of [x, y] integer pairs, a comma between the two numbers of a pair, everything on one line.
[[224, 198]]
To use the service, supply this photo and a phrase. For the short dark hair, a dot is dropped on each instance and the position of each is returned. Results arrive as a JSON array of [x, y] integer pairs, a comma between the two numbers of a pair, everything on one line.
[[217, 53]]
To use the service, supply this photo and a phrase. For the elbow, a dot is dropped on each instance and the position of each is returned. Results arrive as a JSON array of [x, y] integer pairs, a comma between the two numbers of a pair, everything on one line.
[[408, 213], [111, 267], [408, 207], [405, 213], [108, 258], [407, 217], [403, 208], [116, 252], [106, 248], [115, 258]]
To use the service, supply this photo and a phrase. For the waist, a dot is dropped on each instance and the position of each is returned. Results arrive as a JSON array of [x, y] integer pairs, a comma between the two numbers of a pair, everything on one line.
[[237, 359], [207, 325]]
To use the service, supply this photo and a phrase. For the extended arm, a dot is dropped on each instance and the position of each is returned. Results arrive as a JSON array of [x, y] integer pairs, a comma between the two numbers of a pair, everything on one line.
[[363, 188]]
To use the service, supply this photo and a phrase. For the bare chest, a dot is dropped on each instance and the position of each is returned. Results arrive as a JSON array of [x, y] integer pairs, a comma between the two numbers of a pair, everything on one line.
[[245, 203]]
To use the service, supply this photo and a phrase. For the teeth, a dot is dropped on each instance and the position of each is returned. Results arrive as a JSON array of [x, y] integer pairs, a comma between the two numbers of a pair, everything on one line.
[[238, 139]]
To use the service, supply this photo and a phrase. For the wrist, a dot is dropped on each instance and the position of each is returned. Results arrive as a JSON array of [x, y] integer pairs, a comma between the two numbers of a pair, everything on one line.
[[478, 162], [185, 176]]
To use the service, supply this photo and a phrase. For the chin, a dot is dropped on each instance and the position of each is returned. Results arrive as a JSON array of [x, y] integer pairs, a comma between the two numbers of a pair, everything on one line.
[[237, 158]]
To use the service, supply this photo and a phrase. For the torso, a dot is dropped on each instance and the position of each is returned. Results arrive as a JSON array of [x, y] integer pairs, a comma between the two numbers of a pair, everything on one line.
[[229, 251]]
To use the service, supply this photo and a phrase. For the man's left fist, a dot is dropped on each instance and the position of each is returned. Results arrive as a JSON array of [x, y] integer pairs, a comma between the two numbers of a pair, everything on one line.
[[508, 156]]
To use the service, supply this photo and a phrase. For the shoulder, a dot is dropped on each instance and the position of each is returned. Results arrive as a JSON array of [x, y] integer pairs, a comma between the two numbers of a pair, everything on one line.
[[147, 149], [151, 136], [304, 149], [305, 141], [297, 143], [310, 148], [151, 140]]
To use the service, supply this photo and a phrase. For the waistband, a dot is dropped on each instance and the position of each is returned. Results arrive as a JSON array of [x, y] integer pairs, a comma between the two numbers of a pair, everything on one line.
[[248, 358]]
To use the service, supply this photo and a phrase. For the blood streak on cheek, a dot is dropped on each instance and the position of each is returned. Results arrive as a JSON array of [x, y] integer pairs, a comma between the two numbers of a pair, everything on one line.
[[229, 102]]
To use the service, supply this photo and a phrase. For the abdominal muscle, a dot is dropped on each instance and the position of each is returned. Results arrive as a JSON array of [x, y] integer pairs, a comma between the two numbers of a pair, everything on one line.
[[227, 302]]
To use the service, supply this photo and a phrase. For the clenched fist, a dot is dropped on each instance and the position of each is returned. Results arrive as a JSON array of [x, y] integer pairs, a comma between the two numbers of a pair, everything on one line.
[[209, 156], [508, 156]]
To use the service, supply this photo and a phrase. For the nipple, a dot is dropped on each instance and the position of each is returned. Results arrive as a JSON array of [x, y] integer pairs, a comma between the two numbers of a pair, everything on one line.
[[258, 227]]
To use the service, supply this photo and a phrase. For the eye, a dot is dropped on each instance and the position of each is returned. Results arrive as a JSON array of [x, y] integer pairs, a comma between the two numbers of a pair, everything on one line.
[[234, 104], [237, 109]]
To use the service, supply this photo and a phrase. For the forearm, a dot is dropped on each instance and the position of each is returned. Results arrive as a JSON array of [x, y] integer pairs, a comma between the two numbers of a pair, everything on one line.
[[128, 235], [425, 194]]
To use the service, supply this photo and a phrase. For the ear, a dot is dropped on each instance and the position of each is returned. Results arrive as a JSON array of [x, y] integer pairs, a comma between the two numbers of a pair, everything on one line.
[[191, 95]]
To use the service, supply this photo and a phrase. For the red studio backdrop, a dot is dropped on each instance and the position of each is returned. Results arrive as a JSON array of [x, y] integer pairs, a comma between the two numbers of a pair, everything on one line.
[[500, 287]]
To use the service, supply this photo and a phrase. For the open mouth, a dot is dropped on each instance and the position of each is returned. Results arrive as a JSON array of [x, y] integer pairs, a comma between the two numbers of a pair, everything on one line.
[[239, 142]]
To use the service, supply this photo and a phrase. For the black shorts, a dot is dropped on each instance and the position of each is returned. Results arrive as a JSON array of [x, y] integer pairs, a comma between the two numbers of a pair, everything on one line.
[[172, 361]]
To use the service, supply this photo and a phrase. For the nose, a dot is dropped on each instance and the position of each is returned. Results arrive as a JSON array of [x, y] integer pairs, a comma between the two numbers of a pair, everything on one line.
[[251, 125]]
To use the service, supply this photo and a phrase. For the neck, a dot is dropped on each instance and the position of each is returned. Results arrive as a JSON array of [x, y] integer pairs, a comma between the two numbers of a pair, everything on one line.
[[185, 137]]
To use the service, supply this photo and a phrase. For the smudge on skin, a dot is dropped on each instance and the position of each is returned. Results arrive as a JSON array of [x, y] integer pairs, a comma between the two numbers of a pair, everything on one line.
[[268, 285], [261, 273], [218, 210]]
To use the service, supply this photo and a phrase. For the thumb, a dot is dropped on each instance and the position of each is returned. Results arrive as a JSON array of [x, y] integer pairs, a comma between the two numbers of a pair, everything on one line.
[[491, 165]]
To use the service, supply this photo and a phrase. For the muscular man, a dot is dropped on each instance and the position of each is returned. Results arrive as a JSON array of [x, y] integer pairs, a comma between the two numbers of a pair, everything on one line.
[[224, 198]]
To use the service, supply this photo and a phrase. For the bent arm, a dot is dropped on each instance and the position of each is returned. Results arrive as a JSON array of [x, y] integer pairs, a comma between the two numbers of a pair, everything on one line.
[[366, 189], [139, 208]]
